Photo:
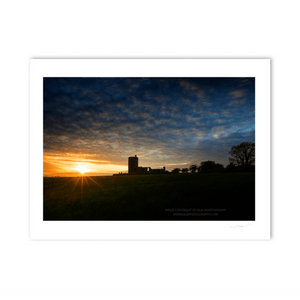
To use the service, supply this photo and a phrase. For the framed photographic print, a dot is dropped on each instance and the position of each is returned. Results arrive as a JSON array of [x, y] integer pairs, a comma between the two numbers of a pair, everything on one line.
[[163, 149]]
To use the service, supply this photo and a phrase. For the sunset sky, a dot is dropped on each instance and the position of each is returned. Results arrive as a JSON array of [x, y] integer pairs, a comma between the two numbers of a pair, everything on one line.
[[94, 124]]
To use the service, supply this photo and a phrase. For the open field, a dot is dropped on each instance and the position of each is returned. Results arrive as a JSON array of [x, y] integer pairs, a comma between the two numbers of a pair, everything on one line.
[[197, 196]]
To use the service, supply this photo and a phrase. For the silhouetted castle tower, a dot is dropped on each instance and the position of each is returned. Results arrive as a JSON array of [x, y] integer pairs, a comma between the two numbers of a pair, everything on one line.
[[133, 164]]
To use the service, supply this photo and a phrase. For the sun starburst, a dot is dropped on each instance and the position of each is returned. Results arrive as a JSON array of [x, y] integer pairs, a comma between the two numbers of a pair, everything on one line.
[[81, 169]]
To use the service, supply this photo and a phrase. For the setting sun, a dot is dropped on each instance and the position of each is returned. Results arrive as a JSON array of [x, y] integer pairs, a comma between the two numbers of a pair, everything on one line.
[[81, 169]]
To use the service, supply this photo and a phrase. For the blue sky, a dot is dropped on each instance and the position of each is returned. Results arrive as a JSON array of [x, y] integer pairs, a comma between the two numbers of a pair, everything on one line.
[[172, 122]]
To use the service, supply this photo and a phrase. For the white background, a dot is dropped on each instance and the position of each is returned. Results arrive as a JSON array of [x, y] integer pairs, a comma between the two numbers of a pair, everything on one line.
[[149, 270]]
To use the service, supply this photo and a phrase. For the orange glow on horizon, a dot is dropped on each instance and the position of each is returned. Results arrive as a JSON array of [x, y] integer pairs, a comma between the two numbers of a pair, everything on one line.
[[72, 164]]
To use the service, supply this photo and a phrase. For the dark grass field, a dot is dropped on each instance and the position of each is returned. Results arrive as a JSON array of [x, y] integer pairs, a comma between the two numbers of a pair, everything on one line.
[[224, 196]]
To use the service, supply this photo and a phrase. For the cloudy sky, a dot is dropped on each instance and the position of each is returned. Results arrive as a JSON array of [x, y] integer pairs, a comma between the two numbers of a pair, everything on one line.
[[95, 124]]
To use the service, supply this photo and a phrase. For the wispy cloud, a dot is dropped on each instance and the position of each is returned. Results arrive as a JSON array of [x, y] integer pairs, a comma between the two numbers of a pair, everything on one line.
[[237, 93], [237, 102]]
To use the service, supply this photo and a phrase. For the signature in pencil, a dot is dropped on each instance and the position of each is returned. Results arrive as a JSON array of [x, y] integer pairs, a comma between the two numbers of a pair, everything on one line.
[[241, 226]]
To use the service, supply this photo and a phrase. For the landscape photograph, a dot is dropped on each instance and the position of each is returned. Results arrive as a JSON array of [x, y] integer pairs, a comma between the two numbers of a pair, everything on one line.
[[149, 149]]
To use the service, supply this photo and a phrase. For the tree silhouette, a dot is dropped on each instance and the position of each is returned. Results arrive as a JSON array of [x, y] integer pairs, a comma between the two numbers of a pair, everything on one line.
[[243, 154], [184, 170], [210, 166], [176, 170], [230, 168], [193, 168]]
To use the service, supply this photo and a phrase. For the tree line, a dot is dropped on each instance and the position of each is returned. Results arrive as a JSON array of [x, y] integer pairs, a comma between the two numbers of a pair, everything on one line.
[[242, 159]]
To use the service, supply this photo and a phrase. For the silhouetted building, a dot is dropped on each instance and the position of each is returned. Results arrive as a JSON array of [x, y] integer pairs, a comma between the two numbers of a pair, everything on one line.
[[163, 170], [133, 167], [142, 170], [133, 163]]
